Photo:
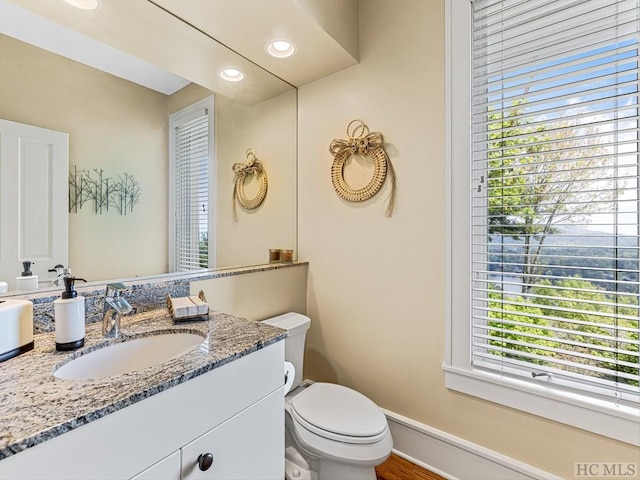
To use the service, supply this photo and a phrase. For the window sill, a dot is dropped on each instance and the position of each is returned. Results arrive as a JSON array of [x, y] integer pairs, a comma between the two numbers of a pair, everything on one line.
[[604, 418]]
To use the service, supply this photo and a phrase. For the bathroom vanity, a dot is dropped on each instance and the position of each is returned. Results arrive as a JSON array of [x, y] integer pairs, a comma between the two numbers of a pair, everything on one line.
[[214, 412]]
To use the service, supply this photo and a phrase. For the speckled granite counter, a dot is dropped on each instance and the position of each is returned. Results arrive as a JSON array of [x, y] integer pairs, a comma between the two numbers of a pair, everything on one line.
[[144, 293], [36, 406]]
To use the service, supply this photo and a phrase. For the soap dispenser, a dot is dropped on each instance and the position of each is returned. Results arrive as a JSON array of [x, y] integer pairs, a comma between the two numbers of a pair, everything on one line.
[[27, 280], [69, 317]]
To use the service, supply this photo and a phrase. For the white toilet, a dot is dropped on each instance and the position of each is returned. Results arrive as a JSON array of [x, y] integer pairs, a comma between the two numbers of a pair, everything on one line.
[[332, 432]]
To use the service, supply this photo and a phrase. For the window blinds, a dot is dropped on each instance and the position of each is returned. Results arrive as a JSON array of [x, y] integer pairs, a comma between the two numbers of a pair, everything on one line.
[[191, 177], [555, 205]]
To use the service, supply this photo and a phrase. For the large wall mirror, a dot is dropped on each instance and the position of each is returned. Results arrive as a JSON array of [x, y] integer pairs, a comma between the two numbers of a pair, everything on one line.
[[117, 126]]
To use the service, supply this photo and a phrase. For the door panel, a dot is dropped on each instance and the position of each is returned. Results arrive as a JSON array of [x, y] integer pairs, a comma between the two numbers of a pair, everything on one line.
[[33, 200]]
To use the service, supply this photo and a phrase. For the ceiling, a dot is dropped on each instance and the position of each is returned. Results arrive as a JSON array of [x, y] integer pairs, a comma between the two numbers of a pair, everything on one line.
[[140, 42], [119, 32], [28, 27], [325, 32]]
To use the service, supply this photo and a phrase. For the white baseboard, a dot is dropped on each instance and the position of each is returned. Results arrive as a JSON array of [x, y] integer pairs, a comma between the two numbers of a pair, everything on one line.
[[453, 457]]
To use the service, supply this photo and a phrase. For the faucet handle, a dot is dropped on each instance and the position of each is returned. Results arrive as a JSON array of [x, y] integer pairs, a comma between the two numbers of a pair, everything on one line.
[[114, 290]]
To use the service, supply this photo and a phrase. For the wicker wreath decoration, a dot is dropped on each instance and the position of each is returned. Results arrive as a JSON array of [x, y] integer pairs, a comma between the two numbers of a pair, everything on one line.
[[361, 141], [252, 166]]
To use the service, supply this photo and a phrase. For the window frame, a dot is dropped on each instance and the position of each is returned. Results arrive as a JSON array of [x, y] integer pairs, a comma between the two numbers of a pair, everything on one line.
[[177, 118], [619, 422]]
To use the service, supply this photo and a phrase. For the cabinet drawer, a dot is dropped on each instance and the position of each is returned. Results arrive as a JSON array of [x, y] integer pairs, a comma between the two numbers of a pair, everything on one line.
[[248, 446], [166, 469]]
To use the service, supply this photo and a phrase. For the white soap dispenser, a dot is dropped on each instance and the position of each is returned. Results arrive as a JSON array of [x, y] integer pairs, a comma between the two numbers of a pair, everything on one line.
[[69, 317], [27, 280]]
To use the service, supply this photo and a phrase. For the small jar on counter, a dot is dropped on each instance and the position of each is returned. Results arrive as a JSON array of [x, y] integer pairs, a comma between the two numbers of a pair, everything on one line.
[[286, 256], [274, 255]]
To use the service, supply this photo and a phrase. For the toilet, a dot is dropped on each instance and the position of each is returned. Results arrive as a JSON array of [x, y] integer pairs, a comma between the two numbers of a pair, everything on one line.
[[331, 432]]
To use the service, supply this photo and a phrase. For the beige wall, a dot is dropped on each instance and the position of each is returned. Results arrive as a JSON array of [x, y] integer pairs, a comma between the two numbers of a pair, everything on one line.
[[269, 128], [259, 295], [112, 124], [186, 96], [376, 285]]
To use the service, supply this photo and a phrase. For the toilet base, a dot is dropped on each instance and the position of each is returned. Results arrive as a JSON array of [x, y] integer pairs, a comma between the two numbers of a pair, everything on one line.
[[340, 471], [296, 468]]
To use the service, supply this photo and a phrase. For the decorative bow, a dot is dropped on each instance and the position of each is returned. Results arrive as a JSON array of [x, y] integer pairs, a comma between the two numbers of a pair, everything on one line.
[[361, 145], [252, 165]]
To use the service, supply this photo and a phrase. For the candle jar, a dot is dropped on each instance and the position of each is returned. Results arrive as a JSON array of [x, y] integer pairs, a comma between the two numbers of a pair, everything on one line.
[[274, 255], [286, 256]]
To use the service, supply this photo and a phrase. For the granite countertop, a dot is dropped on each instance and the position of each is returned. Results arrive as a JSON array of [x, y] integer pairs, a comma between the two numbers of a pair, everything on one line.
[[36, 406]]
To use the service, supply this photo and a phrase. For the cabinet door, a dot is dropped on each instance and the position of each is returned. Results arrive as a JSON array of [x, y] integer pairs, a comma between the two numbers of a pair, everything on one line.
[[166, 469], [248, 446], [34, 216]]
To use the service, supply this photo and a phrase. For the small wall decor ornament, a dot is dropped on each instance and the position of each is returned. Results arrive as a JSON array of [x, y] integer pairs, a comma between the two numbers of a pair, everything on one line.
[[361, 141], [252, 166]]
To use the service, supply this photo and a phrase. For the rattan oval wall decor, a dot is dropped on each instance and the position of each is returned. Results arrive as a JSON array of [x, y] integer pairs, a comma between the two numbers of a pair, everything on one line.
[[366, 144], [252, 167]]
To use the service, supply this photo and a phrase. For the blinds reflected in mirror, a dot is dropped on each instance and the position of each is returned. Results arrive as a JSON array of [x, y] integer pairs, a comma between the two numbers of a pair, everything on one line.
[[191, 148]]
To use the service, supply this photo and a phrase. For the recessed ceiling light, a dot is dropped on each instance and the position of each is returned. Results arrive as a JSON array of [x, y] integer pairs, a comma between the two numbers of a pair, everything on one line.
[[84, 4], [280, 48], [231, 74]]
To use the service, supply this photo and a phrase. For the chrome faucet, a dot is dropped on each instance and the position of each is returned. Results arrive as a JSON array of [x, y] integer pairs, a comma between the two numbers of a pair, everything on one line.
[[61, 272], [115, 306]]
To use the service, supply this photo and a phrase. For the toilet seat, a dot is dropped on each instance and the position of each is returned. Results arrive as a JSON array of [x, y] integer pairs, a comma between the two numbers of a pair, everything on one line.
[[339, 413]]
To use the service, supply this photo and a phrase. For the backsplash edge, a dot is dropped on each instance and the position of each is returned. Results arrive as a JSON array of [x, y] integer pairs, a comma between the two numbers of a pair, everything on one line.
[[144, 294]]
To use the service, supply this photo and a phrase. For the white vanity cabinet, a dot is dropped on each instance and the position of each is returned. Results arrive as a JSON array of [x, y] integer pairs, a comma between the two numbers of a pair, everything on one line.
[[166, 469], [242, 448], [245, 447], [235, 412]]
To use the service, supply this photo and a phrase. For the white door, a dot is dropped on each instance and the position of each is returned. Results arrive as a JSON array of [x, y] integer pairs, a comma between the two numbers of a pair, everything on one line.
[[34, 165]]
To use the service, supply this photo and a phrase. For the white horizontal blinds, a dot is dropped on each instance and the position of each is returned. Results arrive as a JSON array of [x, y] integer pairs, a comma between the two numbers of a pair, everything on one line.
[[556, 193], [192, 192]]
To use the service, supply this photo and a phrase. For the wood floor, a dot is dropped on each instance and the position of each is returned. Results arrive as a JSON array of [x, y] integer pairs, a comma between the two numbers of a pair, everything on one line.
[[396, 468]]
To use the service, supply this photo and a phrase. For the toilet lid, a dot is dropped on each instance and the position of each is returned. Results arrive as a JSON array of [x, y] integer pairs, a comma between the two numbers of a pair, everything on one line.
[[334, 411]]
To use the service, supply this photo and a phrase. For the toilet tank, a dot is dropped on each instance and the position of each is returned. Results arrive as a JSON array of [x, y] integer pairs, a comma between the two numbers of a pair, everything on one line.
[[297, 325]]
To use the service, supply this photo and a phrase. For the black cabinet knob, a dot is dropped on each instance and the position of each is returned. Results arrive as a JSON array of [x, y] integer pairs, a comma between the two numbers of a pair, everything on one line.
[[205, 460]]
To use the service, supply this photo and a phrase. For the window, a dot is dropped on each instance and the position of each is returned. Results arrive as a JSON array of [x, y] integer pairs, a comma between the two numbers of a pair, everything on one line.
[[191, 196], [545, 205]]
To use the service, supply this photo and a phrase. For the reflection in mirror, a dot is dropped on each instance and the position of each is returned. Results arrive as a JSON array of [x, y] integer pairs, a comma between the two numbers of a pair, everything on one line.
[[117, 126]]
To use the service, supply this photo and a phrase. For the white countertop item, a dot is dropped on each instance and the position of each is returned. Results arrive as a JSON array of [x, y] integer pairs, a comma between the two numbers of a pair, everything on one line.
[[16, 328]]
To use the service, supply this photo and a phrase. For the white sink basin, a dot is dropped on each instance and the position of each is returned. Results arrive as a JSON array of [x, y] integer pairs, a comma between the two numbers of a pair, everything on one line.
[[129, 356]]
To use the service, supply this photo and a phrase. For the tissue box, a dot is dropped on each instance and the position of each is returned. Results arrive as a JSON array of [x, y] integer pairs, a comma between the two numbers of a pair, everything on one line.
[[16, 328]]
